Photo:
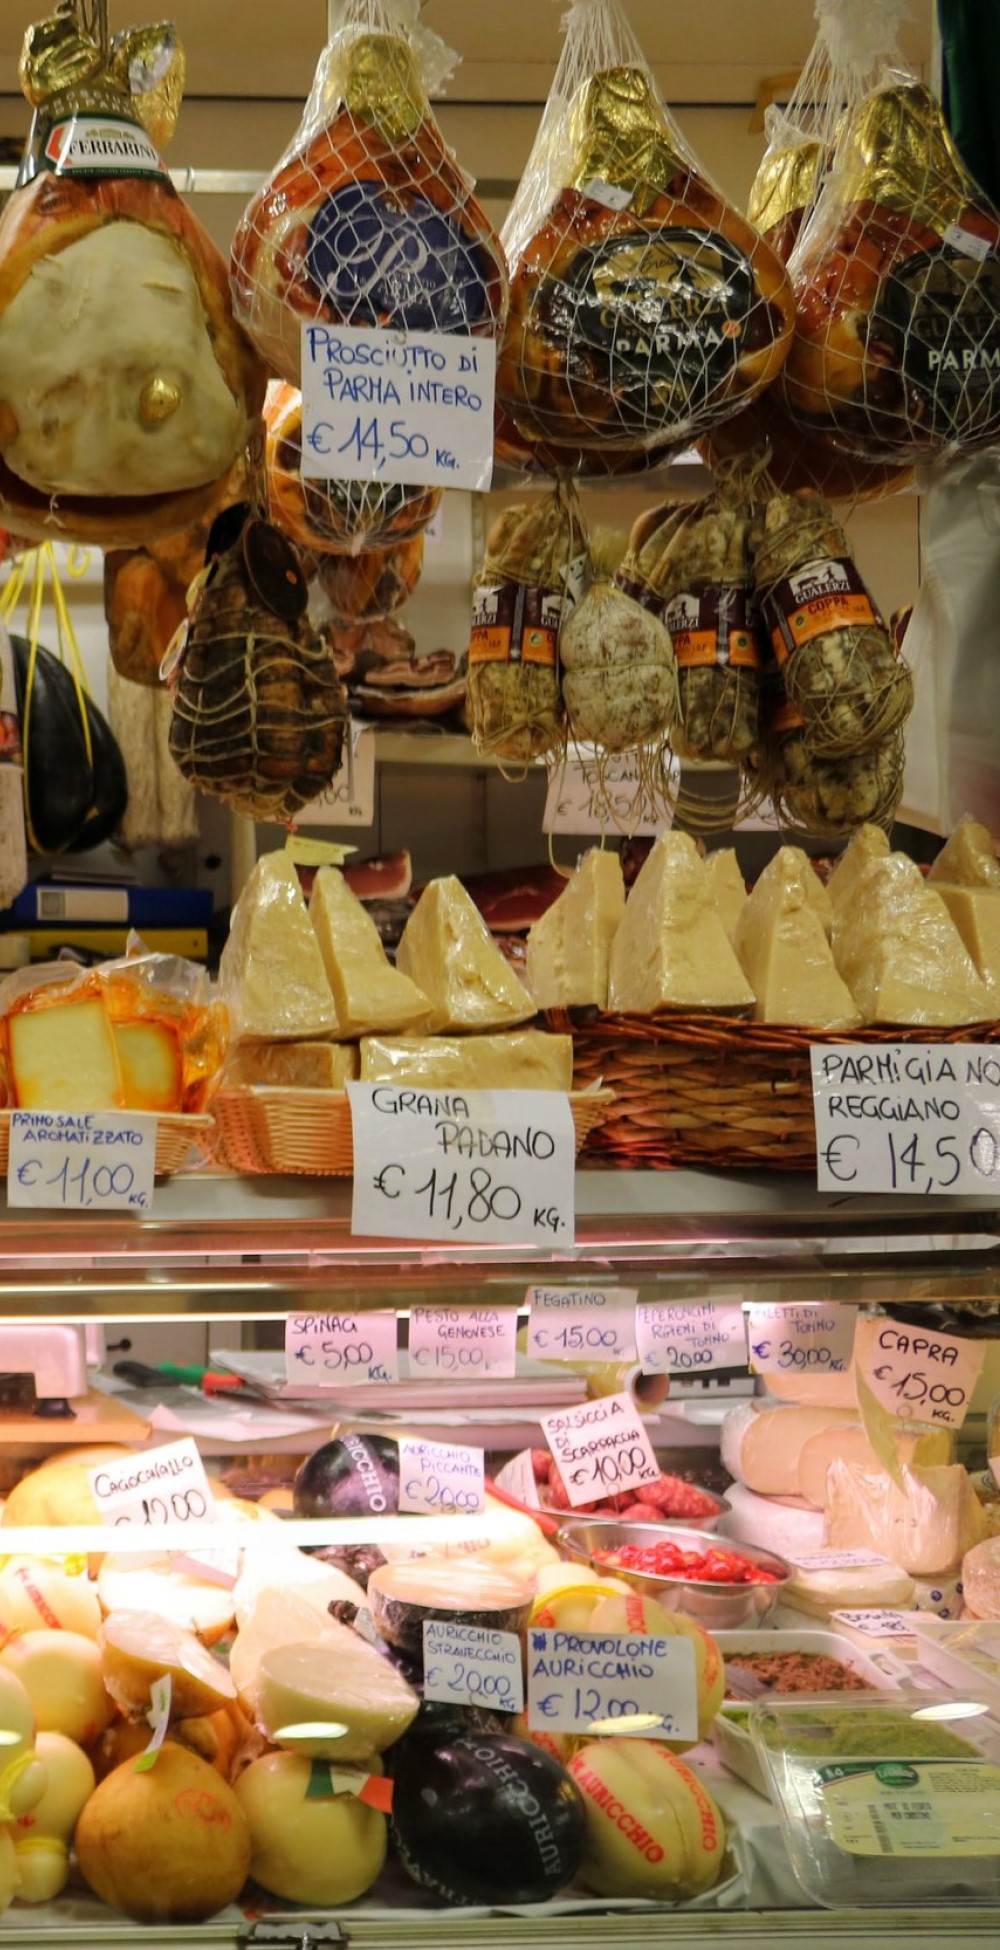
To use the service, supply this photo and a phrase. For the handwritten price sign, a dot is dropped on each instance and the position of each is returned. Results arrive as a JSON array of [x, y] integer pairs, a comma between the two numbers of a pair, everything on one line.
[[440, 1477], [601, 1448], [349, 799], [919, 1376], [575, 1323], [800, 1339], [690, 1340], [412, 407], [491, 1167], [591, 794], [340, 1350], [154, 1487], [473, 1342], [82, 1161], [470, 1665], [907, 1117], [640, 1686]]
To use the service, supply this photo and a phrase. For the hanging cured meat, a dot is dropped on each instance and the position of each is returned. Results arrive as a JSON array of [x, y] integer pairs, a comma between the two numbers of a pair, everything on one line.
[[367, 220], [126, 388], [145, 590], [349, 516]]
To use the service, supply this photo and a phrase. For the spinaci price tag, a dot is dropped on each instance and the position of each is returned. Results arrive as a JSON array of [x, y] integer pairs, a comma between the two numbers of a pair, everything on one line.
[[692, 1339], [82, 1161], [337, 1351], [577, 1323], [917, 1375], [878, 1623], [907, 1117], [807, 1338], [440, 1477], [159, 1719], [412, 407], [637, 1685], [154, 1487], [601, 1448], [471, 1342], [473, 1666], [490, 1167]]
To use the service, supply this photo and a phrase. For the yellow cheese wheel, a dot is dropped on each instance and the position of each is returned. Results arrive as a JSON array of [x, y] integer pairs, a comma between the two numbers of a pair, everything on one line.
[[170, 1845], [324, 1852], [61, 1674], [42, 1838], [36, 1594], [635, 1615], [653, 1828]]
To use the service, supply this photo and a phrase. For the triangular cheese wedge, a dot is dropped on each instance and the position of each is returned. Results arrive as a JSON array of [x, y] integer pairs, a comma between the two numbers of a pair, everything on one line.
[[448, 951], [969, 858], [672, 951], [898, 950], [271, 972], [369, 993], [569, 947], [976, 914], [728, 887], [785, 954], [868, 844], [816, 895]]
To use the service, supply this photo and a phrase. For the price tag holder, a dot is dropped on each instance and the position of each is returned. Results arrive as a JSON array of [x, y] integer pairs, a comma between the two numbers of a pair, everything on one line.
[[154, 1487], [878, 1624], [917, 1374], [801, 1339], [82, 1161], [577, 1323], [585, 1682], [473, 1343], [469, 1665], [591, 794], [692, 1339], [907, 1117], [517, 1477], [484, 1167], [440, 1478], [601, 1448], [411, 407], [337, 1351], [349, 799], [838, 1561]]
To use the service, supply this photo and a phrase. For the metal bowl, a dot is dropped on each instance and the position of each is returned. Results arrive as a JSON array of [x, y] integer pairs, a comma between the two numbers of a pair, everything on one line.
[[724, 1607], [711, 1522]]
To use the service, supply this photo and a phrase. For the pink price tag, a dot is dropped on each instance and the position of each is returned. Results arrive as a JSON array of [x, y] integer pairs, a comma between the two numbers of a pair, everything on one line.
[[917, 1374]]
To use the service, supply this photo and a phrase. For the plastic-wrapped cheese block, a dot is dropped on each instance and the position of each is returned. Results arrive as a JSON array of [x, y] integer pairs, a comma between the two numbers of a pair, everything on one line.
[[63, 1057], [338, 1700], [925, 1526], [569, 947], [728, 886], [368, 992], [671, 950], [975, 912], [296, 1066], [761, 1443], [981, 1578], [932, 1448], [139, 1647], [447, 950], [901, 955], [321, 1852], [515, 1059], [653, 1828], [866, 1587], [968, 858], [816, 894], [788, 1526], [271, 972], [784, 951], [866, 845]]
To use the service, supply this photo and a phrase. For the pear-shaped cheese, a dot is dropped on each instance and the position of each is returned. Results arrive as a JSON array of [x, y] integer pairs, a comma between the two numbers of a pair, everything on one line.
[[672, 951], [969, 858], [868, 844], [271, 971], [369, 993], [569, 947], [448, 951], [728, 886], [899, 952], [976, 914], [785, 954]]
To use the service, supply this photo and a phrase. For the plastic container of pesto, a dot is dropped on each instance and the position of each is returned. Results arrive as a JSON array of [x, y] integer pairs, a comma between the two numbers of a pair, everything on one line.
[[885, 1802]]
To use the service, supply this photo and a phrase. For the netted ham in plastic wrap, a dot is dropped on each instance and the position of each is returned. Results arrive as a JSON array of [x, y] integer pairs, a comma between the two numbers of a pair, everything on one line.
[[126, 388], [367, 220], [534, 570], [145, 589], [643, 307], [349, 516], [365, 588]]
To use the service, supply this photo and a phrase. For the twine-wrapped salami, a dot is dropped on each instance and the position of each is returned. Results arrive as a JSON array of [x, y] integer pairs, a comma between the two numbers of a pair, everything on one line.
[[822, 798], [619, 676], [259, 712], [352, 517], [533, 572], [841, 669]]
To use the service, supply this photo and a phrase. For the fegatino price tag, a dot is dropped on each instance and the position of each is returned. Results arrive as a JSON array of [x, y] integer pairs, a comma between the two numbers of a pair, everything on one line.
[[576, 1323], [601, 1448]]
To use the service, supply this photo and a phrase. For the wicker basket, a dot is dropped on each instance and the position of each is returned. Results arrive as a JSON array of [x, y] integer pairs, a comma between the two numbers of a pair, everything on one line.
[[700, 1090], [271, 1128], [176, 1136]]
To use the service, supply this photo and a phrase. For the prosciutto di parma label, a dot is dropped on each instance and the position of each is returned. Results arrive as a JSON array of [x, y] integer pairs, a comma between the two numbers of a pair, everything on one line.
[[821, 596]]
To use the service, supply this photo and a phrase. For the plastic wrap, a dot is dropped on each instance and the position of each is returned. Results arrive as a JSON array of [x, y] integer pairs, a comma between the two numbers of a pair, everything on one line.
[[643, 308], [534, 571], [981, 1579], [514, 1059], [900, 953], [367, 219], [619, 673], [349, 516], [925, 1527], [271, 972], [366, 588]]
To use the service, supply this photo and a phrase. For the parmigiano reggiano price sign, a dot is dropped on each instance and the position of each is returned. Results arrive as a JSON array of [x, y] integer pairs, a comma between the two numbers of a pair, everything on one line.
[[601, 1448], [919, 1375], [907, 1117]]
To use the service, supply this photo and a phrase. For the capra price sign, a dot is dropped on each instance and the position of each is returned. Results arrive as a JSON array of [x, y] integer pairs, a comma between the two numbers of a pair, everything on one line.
[[917, 1374]]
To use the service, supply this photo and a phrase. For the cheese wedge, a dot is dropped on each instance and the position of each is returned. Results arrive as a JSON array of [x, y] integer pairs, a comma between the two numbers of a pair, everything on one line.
[[868, 844], [672, 951], [369, 993], [520, 1059], [925, 1527], [900, 953], [932, 1447], [569, 947], [968, 858], [152, 1070], [271, 971], [784, 952], [817, 896], [295, 1066], [727, 885], [976, 914], [336, 1700], [63, 1057], [447, 950]]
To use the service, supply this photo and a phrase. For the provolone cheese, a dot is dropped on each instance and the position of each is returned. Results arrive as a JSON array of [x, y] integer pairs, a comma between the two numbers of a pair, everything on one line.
[[569, 948], [271, 971], [447, 950], [369, 993], [672, 951]]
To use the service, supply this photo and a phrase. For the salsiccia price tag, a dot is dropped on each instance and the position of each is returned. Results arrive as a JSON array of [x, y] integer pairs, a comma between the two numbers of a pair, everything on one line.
[[578, 1323], [154, 1487], [470, 1342], [801, 1338], [601, 1448], [440, 1478], [692, 1339], [82, 1161], [489, 1167], [918, 1374], [585, 1682], [412, 407], [470, 1665], [907, 1117], [338, 1351]]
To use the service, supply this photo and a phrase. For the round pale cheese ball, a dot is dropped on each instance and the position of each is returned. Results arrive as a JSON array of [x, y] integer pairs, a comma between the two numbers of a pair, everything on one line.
[[166, 1845], [59, 1490], [325, 1852], [61, 1674], [35, 1595], [10, 1874], [42, 1838], [25, 1773]]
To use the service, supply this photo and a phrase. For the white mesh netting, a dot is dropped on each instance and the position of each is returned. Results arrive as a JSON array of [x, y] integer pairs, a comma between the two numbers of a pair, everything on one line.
[[347, 516]]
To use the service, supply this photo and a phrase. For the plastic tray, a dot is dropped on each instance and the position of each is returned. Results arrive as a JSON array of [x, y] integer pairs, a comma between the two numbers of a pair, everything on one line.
[[732, 1737], [964, 1653], [885, 1802]]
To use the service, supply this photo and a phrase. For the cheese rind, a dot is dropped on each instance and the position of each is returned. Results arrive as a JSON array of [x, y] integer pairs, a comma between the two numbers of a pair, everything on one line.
[[569, 948], [294, 1066], [976, 914], [447, 950], [728, 887], [899, 952], [520, 1059], [761, 1444], [968, 858], [784, 951], [672, 951], [63, 1057], [271, 971], [866, 846], [368, 992]]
